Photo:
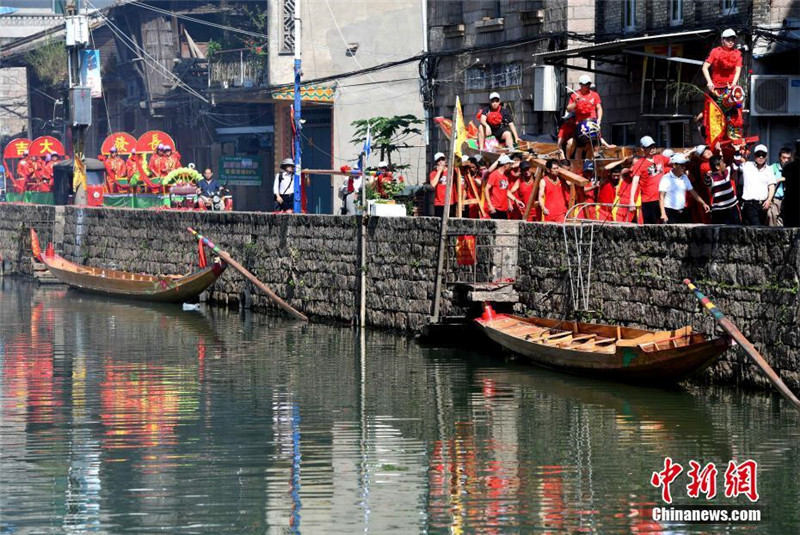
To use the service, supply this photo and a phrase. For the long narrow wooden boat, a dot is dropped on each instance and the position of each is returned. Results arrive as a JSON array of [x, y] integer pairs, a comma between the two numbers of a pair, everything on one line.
[[608, 351], [161, 288]]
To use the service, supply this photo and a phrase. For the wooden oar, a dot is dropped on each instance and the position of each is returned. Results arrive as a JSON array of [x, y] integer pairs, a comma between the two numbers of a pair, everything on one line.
[[252, 278], [728, 326]]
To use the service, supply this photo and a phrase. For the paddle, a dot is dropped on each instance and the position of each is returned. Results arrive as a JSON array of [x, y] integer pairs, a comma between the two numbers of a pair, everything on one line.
[[252, 278], [728, 326]]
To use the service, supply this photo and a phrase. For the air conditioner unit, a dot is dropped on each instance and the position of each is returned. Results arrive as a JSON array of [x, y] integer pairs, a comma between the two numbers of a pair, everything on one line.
[[545, 88], [774, 95]]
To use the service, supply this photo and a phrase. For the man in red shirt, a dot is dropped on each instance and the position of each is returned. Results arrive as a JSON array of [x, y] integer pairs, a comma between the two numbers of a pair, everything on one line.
[[725, 63], [523, 190], [553, 194], [500, 121], [438, 179], [646, 175], [497, 189], [594, 110]]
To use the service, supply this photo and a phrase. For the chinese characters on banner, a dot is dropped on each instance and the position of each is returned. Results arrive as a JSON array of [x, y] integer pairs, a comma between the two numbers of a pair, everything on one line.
[[240, 170], [739, 479]]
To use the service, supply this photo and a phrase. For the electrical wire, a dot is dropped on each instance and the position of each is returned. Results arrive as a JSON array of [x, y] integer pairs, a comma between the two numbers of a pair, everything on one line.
[[139, 3], [138, 51]]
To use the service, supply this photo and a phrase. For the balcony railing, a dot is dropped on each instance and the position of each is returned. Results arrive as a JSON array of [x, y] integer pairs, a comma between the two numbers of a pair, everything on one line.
[[237, 68]]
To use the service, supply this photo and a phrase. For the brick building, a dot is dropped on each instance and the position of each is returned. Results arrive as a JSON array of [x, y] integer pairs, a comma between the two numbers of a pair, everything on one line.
[[647, 57], [480, 47]]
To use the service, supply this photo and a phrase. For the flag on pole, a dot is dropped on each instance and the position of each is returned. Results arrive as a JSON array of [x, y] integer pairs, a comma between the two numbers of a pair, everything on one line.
[[367, 145], [459, 130]]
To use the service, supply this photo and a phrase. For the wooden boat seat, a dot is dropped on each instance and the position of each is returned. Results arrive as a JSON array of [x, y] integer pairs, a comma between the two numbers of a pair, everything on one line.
[[651, 338], [551, 334]]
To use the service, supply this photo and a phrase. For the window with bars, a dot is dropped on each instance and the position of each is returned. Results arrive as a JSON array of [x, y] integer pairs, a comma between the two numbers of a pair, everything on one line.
[[729, 7], [675, 12], [287, 27], [493, 76], [628, 15]]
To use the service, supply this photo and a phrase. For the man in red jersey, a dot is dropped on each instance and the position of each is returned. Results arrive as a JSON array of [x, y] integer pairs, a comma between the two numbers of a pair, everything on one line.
[[497, 189], [438, 179], [725, 63], [645, 174], [553, 194]]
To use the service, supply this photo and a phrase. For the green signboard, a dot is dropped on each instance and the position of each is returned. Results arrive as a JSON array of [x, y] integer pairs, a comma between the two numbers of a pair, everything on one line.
[[240, 170]]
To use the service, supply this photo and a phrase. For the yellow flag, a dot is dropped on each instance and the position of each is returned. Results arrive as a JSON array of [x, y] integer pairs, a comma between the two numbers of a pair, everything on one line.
[[459, 130]]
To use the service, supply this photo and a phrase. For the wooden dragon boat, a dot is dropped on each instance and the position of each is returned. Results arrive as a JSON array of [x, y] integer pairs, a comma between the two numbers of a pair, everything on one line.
[[161, 288], [607, 351]]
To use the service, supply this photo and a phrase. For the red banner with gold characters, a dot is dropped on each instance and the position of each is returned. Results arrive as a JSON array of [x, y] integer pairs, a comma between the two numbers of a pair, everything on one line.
[[44, 145], [17, 148], [465, 250], [149, 141], [122, 141]]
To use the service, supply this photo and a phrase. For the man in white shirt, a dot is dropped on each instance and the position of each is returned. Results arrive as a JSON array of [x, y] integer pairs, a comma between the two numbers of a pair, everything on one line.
[[758, 188], [672, 189], [283, 187]]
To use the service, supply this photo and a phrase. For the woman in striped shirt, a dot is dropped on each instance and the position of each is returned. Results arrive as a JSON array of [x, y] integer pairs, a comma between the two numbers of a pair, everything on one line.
[[724, 205]]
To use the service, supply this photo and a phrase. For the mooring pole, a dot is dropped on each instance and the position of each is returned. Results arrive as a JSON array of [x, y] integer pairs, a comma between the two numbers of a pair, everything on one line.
[[437, 287], [362, 277]]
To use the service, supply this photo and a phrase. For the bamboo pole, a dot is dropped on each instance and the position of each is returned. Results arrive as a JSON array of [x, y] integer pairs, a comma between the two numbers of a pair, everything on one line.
[[437, 286], [728, 326], [252, 278], [362, 220]]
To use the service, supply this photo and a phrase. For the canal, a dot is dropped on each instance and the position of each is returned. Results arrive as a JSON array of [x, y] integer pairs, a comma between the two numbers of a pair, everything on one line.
[[117, 418]]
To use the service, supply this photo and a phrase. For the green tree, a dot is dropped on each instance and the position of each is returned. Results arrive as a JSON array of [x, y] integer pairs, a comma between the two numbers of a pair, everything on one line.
[[49, 62], [389, 134]]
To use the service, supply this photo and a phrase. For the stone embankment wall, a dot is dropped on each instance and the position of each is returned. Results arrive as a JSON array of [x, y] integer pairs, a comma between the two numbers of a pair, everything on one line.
[[313, 262]]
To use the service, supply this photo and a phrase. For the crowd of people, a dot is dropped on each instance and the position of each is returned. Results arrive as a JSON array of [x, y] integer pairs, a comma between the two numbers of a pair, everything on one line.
[[36, 173], [119, 171], [728, 183], [655, 186]]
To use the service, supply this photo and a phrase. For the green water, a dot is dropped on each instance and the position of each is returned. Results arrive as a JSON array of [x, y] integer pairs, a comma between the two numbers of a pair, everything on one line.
[[118, 418]]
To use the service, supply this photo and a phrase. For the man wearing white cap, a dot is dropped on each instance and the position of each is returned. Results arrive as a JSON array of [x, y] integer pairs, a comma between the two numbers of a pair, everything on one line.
[[673, 188], [758, 188], [497, 189], [725, 62], [438, 179], [647, 176], [500, 121], [595, 110]]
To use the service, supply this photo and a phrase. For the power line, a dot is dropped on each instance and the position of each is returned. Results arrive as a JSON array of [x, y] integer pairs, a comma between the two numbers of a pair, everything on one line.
[[161, 11]]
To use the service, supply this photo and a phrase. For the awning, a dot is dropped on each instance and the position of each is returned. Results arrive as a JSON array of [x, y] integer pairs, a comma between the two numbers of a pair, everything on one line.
[[308, 93], [621, 46]]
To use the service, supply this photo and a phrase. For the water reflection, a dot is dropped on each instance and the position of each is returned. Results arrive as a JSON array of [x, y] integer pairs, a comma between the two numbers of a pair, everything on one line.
[[118, 417]]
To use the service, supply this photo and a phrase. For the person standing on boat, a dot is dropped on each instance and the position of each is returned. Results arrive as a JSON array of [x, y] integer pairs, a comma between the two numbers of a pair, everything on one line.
[[497, 191], [645, 176], [758, 188], [724, 204], [500, 121], [553, 194], [672, 189], [283, 187]]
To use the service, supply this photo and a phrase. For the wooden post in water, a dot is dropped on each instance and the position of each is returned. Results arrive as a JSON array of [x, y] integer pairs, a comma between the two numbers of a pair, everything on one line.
[[728, 326], [362, 300], [437, 287]]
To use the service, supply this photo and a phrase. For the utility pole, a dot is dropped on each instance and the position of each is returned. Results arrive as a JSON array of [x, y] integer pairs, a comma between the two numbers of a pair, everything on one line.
[[298, 157], [80, 98]]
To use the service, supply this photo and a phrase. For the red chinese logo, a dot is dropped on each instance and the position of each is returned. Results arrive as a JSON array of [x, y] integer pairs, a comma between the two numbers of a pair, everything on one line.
[[665, 477], [702, 481], [741, 479]]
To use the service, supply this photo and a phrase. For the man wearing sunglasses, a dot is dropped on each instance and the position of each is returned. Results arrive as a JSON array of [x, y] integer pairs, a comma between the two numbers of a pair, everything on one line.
[[758, 188]]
